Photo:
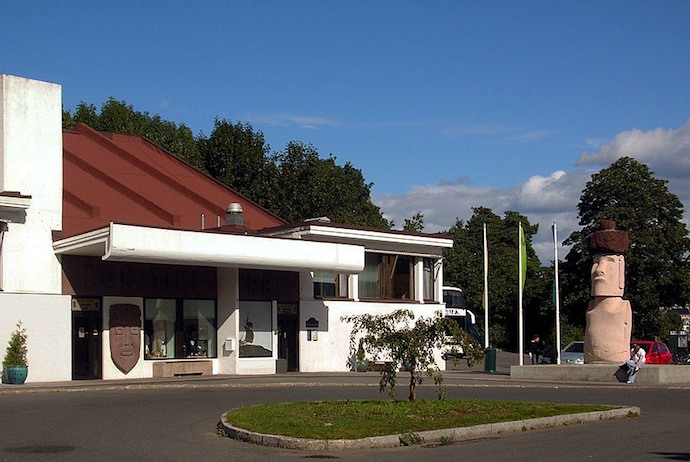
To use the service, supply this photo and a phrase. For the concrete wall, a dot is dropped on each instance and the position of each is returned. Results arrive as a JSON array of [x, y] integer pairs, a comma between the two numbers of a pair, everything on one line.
[[31, 163], [331, 351], [228, 321], [48, 323]]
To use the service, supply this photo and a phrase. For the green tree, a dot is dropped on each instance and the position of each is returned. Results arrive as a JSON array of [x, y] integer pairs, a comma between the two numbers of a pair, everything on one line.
[[119, 117], [414, 224], [657, 267], [310, 187], [464, 268], [238, 156], [409, 346], [16, 352]]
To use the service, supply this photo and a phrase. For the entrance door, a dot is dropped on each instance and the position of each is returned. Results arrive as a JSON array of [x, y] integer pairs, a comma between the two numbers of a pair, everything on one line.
[[86, 340], [287, 340]]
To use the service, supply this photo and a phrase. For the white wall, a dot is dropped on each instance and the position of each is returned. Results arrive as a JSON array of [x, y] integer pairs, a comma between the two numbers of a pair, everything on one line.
[[31, 163], [48, 323], [110, 370], [227, 320], [330, 352]]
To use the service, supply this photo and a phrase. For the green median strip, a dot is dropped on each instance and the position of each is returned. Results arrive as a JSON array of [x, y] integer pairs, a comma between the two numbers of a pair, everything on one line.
[[354, 419]]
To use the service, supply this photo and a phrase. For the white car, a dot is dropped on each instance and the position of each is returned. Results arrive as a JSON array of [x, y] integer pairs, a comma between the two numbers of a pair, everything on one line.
[[574, 353]]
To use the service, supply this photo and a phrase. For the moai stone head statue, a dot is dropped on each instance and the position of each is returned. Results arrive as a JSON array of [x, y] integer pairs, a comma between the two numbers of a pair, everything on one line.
[[609, 317], [608, 244]]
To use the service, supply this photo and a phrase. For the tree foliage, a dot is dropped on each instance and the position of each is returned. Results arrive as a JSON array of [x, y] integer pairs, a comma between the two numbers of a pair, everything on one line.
[[119, 117], [657, 267], [295, 183], [464, 268], [310, 186], [414, 224], [237, 155], [392, 336], [16, 352]]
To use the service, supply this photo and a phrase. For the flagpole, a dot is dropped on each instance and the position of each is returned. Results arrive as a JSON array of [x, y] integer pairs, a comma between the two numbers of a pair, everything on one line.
[[556, 291], [521, 339], [486, 292]]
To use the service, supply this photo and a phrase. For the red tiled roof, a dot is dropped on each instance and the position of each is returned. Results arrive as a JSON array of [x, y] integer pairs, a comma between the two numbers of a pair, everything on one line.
[[127, 179]]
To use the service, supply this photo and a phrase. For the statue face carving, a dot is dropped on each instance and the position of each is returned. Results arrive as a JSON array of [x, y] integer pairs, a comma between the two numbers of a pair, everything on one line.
[[608, 275], [125, 336]]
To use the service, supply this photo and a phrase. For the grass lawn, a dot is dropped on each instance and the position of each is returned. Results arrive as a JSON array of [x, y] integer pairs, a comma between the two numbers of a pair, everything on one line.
[[359, 419]]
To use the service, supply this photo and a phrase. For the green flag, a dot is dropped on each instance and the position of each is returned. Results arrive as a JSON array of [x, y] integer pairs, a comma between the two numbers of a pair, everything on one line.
[[523, 257]]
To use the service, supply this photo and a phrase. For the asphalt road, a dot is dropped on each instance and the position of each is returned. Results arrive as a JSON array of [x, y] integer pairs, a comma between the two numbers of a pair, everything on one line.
[[167, 422]]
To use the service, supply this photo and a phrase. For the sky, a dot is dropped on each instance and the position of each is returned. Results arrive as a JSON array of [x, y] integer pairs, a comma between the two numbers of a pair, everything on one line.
[[443, 106]]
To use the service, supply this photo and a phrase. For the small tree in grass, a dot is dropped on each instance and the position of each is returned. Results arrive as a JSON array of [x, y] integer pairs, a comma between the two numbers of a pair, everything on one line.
[[409, 346]]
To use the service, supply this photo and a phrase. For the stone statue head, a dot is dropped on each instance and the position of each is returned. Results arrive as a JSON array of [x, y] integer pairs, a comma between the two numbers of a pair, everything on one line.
[[608, 275], [608, 244]]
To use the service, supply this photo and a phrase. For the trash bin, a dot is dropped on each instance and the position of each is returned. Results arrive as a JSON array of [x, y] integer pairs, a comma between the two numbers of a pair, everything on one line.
[[490, 360]]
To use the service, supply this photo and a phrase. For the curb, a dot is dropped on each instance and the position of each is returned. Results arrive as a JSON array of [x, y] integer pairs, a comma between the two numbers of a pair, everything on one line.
[[430, 436]]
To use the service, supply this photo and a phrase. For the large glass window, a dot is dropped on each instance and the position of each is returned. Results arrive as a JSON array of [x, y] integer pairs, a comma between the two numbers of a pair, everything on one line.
[[387, 277], [256, 329], [328, 285], [429, 278], [175, 328]]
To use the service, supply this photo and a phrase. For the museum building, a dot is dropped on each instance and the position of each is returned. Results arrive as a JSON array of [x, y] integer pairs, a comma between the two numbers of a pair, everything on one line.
[[122, 261]]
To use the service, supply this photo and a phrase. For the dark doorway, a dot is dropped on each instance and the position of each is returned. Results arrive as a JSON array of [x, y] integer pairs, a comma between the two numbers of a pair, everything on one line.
[[288, 328], [86, 339]]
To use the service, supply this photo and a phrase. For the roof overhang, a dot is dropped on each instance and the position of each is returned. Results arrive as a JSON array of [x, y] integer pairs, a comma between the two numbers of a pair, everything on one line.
[[374, 240], [128, 243], [12, 202]]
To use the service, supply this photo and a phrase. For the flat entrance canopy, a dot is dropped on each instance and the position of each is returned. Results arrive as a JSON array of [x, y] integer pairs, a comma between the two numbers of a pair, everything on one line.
[[139, 244]]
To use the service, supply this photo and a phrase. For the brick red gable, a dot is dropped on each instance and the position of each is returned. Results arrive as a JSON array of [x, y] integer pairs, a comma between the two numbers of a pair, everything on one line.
[[127, 179]]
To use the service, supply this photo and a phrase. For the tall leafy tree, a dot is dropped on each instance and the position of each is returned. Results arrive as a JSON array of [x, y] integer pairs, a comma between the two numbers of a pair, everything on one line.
[[657, 267], [310, 187], [414, 224], [119, 117], [464, 267], [238, 156]]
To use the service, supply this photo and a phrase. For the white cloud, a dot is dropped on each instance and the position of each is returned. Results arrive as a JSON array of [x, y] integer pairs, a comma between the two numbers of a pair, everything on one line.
[[665, 151], [286, 119], [547, 199], [541, 199]]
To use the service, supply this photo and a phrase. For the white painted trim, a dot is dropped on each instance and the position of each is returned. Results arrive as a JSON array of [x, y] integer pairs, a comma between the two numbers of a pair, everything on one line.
[[167, 246], [14, 204], [92, 243], [368, 235]]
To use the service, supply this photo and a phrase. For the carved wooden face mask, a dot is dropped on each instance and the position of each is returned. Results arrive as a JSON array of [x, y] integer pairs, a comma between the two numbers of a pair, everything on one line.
[[125, 336]]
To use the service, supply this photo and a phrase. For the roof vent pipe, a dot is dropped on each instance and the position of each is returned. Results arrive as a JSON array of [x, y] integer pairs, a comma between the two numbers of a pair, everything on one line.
[[233, 214]]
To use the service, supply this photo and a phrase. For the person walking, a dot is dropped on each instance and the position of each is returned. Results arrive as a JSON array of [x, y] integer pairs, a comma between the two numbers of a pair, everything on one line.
[[636, 361], [535, 349]]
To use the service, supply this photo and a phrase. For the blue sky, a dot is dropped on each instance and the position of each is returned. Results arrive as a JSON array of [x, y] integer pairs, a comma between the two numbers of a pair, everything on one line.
[[443, 105]]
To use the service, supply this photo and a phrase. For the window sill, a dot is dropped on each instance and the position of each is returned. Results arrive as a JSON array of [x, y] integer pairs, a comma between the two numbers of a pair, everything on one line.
[[389, 300]]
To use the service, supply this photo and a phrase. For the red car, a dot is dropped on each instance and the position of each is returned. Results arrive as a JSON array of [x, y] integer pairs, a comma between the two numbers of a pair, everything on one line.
[[656, 352]]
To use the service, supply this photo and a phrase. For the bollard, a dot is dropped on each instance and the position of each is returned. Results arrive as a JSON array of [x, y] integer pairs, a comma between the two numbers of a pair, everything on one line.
[[490, 360]]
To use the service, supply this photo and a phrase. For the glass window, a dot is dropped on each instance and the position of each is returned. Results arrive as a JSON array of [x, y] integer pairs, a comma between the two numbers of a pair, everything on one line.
[[325, 284], [179, 328], [429, 279], [256, 329], [159, 329], [387, 277], [198, 327], [369, 277]]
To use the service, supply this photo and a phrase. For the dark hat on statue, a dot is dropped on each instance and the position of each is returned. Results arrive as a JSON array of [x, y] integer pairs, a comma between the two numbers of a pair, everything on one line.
[[607, 239]]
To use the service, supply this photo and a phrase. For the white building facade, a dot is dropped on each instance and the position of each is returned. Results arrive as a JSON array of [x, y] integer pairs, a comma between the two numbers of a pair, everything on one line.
[[130, 300]]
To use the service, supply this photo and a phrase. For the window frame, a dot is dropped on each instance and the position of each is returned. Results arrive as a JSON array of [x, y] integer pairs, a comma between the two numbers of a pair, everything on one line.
[[176, 331], [393, 276]]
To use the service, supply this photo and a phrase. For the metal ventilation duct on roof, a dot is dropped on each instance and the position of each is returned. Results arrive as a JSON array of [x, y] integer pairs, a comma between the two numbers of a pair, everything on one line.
[[233, 214]]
